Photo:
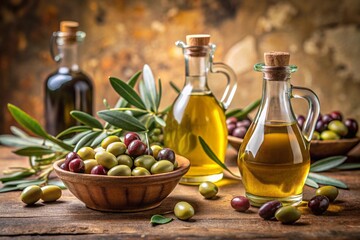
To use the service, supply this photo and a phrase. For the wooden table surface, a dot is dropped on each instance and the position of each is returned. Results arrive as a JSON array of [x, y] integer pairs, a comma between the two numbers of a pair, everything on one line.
[[69, 218]]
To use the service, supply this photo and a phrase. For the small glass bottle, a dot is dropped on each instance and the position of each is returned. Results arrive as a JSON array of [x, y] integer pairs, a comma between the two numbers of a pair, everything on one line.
[[196, 112], [68, 88], [274, 158]]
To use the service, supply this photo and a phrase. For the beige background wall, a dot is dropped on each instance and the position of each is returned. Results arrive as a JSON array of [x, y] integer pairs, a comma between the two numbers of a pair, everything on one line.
[[323, 38]]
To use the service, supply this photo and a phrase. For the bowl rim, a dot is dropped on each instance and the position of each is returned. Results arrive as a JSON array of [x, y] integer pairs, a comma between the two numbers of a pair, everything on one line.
[[183, 167]]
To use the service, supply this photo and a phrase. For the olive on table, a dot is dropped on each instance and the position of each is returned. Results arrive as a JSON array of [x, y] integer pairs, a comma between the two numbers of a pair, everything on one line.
[[162, 166], [98, 170], [184, 211], [106, 159], [338, 127], [352, 126], [77, 166], [145, 161], [267, 210], [125, 160], [120, 170], [50, 193], [240, 203], [287, 214], [208, 189], [318, 204], [330, 192], [329, 135], [108, 140], [31, 194], [89, 164], [155, 150], [136, 148], [315, 136], [140, 171], [166, 154], [129, 137], [116, 148], [86, 153]]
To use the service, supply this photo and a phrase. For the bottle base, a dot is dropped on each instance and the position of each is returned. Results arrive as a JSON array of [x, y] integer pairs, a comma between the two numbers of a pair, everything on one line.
[[196, 180], [257, 201]]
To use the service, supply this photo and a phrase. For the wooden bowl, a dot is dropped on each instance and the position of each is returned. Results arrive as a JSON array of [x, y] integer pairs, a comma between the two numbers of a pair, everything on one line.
[[318, 148], [122, 193]]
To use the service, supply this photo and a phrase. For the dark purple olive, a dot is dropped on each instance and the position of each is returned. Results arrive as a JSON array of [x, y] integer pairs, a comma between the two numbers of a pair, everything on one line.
[[336, 115], [320, 126], [166, 154], [301, 120], [98, 170], [268, 210], [352, 126], [136, 148], [230, 128], [318, 204], [239, 132], [326, 118], [70, 156], [129, 137], [64, 166], [244, 123], [320, 117], [240, 203], [149, 151], [231, 120], [77, 166]]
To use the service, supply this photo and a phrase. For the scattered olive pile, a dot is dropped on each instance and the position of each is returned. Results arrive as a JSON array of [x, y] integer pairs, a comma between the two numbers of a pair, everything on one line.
[[34, 193], [237, 128], [332, 127], [156, 136], [115, 158]]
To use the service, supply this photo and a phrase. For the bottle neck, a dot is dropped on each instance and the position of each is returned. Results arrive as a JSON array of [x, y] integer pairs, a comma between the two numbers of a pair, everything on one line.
[[69, 56], [196, 71]]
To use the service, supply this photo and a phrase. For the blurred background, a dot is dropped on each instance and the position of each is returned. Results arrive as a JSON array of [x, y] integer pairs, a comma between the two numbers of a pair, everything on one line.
[[323, 38]]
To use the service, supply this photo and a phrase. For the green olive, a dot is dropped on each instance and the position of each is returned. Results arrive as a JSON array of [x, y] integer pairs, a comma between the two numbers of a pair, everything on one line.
[[184, 211], [155, 150], [176, 164], [116, 148], [140, 171], [86, 153], [288, 214], [50, 193], [208, 189], [120, 170], [31, 194], [89, 164], [328, 191], [329, 135], [125, 160], [338, 127], [110, 139], [156, 131], [315, 136], [162, 166], [145, 161], [106, 159]]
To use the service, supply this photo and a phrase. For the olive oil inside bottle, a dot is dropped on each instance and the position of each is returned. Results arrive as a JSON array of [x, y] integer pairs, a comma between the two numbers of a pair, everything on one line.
[[193, 115], [274, 160]]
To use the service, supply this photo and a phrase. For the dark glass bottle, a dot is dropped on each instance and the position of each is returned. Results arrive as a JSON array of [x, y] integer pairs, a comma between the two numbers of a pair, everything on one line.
[[68, 88]]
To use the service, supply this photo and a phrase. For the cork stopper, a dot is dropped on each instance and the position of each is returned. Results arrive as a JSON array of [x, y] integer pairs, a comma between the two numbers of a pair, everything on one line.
[[198, 40], [277, 59], [69, 28]]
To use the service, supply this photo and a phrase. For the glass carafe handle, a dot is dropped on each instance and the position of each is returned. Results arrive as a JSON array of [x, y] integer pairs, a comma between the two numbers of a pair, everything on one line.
[[231, 84], [53, 39], [314, 109]]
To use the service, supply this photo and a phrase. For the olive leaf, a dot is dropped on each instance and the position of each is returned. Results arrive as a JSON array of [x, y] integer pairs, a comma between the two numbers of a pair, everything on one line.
[[160, 121], [122, 120], [58, 183], [158, 99], [176, 88], [98, 139], [132, 82], [149, 85], [144, 96], [242, 113], [33, 151], [327, 163], [9, 189], [74, 129], [159, 219], [311, 183], [86, 140], [127, 92], [18, 132], [18, 175], [322, 179], [348, 166], [213, 156], [86, 119], [74, 140]]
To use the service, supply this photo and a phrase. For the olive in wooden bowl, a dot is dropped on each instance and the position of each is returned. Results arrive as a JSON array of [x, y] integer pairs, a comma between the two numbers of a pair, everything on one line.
[[122, 193]]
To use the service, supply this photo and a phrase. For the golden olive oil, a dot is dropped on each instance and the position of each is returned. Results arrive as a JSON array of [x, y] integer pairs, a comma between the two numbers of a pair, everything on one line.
[[274, 161], [193, 115]]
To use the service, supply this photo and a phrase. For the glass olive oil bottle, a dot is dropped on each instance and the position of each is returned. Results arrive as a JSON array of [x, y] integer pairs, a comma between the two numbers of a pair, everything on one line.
[[68, 88]]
